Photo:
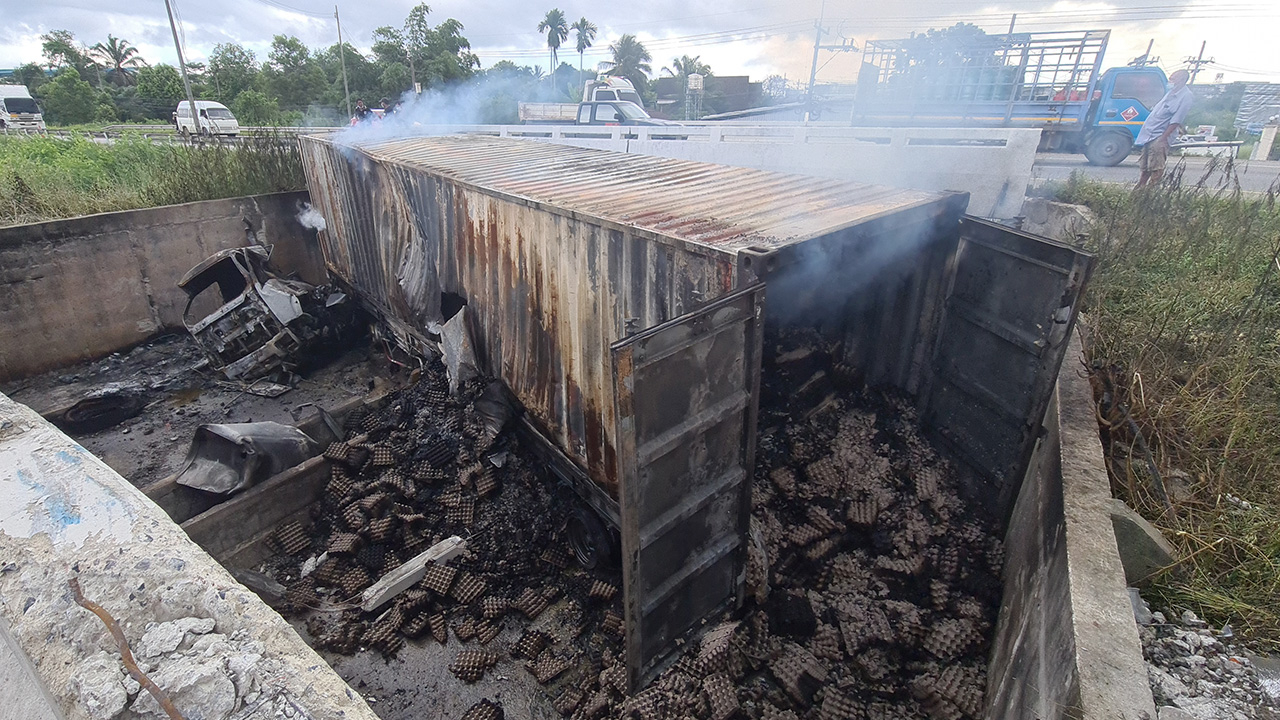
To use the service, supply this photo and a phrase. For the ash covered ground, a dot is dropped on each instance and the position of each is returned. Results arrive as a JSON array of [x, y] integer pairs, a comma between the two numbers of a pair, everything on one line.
[[882, 584], [168, 391]]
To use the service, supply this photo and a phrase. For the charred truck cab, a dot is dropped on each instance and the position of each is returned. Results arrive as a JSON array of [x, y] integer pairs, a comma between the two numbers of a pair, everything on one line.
[[261, 322], [622, 299]]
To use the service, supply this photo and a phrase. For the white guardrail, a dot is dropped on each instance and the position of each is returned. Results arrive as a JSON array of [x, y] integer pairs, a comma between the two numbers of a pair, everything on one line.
[[992, 164]]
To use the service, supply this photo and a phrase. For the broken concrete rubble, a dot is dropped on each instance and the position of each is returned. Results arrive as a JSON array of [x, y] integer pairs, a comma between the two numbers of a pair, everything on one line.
[[1144, 551]]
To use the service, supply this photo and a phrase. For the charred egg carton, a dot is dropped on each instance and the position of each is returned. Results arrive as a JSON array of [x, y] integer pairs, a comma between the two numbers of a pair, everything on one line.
[[439, 628], [530, 644], [382, 529], [825, 643], [438, 578], [416, 626], [556, 557], [466, 629], [601, 590], [647, 705], [721, 697], [471, 664], [494, 607], [354, 517], [952, 638], [467, 588], [612, 624], [803, 534], [487, 482], [290, 539], [821, 519], [382, 456], [548, 666], [354, 580], [484, 710], [826, 477], [463, 512], [836, 705], [568, 700], [531, 603], [799, 673], [344, 543], [340, 483], [821, 549], [487, 630]]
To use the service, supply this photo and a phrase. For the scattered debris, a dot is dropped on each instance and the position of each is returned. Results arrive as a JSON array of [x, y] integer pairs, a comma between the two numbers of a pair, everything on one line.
[[883, 583], [125, 655], [262, 324], [1199, 672], [225, 458]]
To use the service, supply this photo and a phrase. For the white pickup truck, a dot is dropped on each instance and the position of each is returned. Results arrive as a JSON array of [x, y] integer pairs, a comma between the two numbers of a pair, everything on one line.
[[606, 101]]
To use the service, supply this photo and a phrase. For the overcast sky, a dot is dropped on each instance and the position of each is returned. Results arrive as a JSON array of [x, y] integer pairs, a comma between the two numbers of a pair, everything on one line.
[[754, 37]]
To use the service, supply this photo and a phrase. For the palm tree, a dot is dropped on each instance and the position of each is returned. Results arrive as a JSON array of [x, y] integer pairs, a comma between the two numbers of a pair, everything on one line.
[[630, 60], [684, 66], [117, 55], [557, 30], [585, 30]]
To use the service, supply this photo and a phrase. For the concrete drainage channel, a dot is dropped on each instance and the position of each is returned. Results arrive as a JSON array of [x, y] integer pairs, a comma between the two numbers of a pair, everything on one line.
[[868, 581]]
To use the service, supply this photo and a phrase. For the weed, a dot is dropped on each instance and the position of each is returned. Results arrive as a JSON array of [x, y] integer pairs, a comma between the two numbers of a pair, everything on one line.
[[1184, 326], [47, 178]]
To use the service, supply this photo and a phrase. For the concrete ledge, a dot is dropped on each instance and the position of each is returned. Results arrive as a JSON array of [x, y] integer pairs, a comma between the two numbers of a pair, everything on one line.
[[1066, 643], [63, 513]]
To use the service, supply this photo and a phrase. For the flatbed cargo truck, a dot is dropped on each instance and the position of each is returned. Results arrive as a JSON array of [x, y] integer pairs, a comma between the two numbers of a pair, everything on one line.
[[1050, 80]]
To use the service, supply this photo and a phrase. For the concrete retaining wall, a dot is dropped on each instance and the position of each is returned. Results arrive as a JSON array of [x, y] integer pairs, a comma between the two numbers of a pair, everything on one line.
[[993, 165], [73, 290], [64, 514], [1066, 643]]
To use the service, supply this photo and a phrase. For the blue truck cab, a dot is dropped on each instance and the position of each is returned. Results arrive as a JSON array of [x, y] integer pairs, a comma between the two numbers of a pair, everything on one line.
[[1123, 99], [1052, 81]]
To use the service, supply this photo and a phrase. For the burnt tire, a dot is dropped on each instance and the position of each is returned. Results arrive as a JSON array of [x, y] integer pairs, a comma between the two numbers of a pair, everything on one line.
[[1108, 149], [590, 539]]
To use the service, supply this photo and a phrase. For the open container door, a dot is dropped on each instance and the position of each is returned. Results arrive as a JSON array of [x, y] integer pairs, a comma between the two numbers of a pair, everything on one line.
[[687, 393], [1011, 306]]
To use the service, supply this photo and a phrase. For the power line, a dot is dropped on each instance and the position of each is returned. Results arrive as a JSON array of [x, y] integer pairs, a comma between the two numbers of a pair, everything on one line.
[[289, 8]]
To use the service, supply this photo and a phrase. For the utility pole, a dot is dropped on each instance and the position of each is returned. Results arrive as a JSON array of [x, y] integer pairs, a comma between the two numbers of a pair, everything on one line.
[[1197, 62], [342, 55], [1012, 20], [817, 46], [182, 65]]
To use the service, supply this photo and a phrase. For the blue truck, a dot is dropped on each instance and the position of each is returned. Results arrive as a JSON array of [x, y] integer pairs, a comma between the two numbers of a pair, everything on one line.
[[1052, 80]]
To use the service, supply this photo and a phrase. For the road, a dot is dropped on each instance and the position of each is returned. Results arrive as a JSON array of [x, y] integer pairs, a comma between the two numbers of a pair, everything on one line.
[[1255, 176]]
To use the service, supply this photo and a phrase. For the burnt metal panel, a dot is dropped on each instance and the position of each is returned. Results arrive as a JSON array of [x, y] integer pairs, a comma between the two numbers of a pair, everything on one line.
[[686, 394], [1012, 303], [559, 252]]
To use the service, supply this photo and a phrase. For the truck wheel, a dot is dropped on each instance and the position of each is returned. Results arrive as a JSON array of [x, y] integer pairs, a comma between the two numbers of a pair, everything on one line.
[[1108, 148], [591, 541]]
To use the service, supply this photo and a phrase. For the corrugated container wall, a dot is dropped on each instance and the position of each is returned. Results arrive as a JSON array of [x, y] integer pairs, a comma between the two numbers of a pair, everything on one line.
[[559, 252]]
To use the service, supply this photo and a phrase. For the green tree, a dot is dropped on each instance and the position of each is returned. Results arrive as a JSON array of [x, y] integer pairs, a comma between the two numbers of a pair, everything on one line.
[[585, 33], [31, 75], [684, 66], [69, 100], [118, 56], [232, 70], [448, 57], [630, 60], [557, 29], [253, 107], [61, 50], [292, 75], [160, 87]]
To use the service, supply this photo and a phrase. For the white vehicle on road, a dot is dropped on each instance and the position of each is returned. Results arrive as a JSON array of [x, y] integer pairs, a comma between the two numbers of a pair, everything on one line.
[[215, 119], [18, 110]]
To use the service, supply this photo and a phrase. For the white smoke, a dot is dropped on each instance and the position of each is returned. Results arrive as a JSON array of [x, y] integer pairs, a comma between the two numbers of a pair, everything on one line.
[[309, 217]]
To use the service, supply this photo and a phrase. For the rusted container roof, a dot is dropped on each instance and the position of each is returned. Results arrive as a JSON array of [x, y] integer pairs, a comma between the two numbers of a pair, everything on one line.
[[728, 208]]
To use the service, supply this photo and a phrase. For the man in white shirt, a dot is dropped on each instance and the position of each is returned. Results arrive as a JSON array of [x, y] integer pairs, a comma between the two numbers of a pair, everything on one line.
[[1161, 126]]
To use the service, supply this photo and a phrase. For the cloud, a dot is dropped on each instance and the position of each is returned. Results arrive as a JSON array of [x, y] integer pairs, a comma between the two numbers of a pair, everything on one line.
[[757, 37]]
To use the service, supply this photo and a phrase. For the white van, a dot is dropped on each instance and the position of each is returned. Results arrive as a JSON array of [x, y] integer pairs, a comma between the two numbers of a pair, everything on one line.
[[18, 110], [215, 119]]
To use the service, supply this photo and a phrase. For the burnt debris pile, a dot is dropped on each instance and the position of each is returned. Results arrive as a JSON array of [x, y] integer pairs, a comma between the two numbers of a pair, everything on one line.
[[425, 467], [883, 583], [873, 586]]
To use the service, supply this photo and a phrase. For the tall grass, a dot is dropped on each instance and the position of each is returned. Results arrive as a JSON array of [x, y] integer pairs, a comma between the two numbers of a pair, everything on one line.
[[45, 178], [1184, 318]]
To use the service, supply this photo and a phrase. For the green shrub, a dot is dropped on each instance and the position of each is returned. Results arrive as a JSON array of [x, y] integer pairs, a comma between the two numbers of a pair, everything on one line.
[[45, 178]]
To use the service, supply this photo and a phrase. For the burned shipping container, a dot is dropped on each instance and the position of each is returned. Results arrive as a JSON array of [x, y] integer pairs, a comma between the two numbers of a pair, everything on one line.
[[621, 298]]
